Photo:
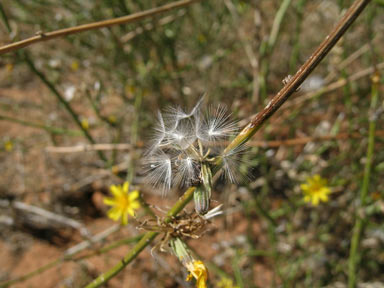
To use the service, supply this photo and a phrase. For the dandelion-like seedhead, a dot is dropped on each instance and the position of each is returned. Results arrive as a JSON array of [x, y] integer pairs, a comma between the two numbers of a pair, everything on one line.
[[184, 145]]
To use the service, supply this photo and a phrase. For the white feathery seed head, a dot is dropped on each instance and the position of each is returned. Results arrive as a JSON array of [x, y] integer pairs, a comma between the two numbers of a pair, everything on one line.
[[216, 125], [186, 170], [159, 134], [182, 143], [159, 170], [233, 161]]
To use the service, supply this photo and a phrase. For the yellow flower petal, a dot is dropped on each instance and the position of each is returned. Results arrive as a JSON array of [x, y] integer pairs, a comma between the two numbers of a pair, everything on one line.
[[135, 205], [126, 187], [323, 197], [124, 218], [226, 283], [315, 190], [315, 200], [304, 187], [123, 203], [109, 201], [316, 177], [201, 283], [133, 195], [114, 213], [116, 190], [8, 146], [199, 272], [326, 190], [131, 212]]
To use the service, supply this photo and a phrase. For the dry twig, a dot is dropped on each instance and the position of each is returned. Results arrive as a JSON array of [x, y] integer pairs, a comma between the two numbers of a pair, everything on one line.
[[351, 14], [88, 147], [45, 36], [45, 216]]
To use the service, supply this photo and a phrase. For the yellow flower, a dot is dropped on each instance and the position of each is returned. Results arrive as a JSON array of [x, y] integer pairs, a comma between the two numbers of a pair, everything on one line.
[[85, 124], [197, 270], [130, 89], [112, 119], [315, 190], [226, 283], [123, 203], [75, 65], [8, 146], [9, 67]]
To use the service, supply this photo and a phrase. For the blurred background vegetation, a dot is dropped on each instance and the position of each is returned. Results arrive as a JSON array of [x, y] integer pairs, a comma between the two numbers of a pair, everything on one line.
[[104, 86]]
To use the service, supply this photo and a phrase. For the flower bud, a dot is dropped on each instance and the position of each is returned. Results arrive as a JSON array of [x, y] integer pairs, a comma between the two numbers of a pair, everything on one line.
[[180, 250], [202, 199]]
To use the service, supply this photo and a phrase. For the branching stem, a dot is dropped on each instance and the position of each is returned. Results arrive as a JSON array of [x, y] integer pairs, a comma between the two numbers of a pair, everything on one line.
[[351, 14]]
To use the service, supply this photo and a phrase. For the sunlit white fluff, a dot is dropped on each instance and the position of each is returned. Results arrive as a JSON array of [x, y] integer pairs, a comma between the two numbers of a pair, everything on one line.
[[186, 170], [183, 135], [216, 125], [159, 169], [214, 212], [159, 135], [183, 142], [173, 115], [232, 163]]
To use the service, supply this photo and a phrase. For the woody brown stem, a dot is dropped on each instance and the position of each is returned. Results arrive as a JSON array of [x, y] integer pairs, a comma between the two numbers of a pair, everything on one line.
[[352, 13], [349, 17], [45, 36]]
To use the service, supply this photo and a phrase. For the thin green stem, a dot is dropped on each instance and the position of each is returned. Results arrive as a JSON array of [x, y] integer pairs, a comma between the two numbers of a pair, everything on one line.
[[296, 38], [264, 213], [344, 74], [144, 242], [266, 48], [360, 221], [271, 227], [70, 257], [134, 133], [277, 24], [32, 274], [97, 111], [61, 99], [110, 247], [237, 270], [5, 18], [50, 129], [246, 134], [351, 14]]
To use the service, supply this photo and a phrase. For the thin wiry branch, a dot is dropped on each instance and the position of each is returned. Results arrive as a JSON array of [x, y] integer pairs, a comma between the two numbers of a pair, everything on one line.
[[334, 85], [71, 252], [326, 89], [252, 58], [346, 21], [45, 36], [88, 147], [253, 143], [43, 215], [351, 14]]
